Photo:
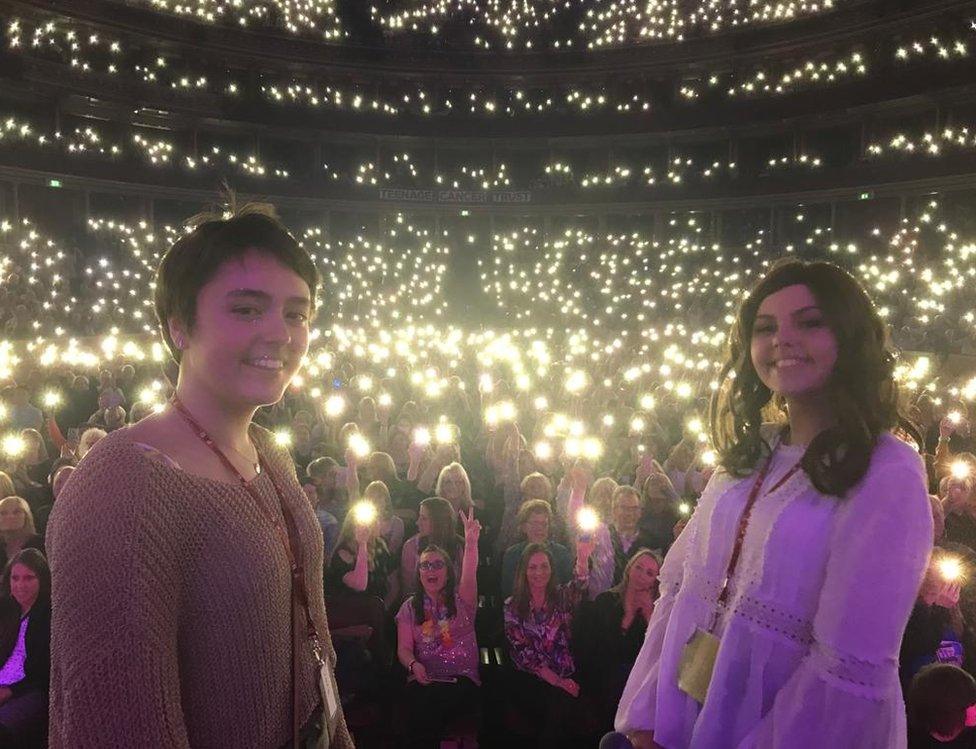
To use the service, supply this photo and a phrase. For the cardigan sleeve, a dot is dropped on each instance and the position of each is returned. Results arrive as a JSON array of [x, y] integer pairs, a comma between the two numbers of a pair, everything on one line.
[[116, 586], [638, 703], [845, 693]]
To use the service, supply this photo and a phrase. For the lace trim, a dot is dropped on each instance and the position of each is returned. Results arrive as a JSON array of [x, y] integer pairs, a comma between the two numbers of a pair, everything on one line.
[[762, 614], [870, 679]]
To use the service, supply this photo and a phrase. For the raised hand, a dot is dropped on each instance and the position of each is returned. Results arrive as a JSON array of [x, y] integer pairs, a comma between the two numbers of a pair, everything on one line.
[[472, 527], [580, 477]]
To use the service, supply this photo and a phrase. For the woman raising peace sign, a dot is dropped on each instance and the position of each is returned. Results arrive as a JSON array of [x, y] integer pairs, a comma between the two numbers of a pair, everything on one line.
[[436, 639]]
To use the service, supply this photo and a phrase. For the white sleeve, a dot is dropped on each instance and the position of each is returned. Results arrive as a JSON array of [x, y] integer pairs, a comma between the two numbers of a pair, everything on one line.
[[845, 693], [638, 702]]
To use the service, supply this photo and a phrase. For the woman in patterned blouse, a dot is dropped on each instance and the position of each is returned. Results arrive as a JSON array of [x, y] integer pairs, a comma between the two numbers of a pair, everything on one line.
[[537, 625]]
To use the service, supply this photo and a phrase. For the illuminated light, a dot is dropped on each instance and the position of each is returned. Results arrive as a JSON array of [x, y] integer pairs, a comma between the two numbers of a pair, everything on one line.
[[587, 520], [542, 450], [684, 508], [364, 512], [385, 400], [576, 382], [695, 425], [955, 417], [282, 438], [709, 458], [13, 445], [592, 448], [335, 405], [950, 568], [541, 403], [421, 436], [359, 445], [444, 434], [637, 425], [608, 420], [573, 447], [647, 402], [960, 470], [52, 399]]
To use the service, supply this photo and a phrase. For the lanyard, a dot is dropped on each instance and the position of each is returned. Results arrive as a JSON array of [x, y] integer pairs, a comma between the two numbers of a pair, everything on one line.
[[744, 520], [298, 589]]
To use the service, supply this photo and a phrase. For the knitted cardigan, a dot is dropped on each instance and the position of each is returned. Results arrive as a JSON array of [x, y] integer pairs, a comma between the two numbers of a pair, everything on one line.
[[171, 606]]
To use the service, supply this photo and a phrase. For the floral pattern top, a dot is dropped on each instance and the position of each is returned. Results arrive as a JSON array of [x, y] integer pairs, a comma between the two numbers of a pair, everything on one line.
[[542, 639]]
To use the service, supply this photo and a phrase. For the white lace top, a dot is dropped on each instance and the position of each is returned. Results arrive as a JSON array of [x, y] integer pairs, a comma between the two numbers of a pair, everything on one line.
[[815, 615]]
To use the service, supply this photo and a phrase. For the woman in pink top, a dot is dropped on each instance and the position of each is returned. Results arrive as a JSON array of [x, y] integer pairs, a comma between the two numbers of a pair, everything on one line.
[[436, 639]]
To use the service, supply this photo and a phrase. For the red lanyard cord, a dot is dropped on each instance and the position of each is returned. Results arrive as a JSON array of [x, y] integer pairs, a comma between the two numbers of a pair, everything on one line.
[[746, 516], [284, 534]]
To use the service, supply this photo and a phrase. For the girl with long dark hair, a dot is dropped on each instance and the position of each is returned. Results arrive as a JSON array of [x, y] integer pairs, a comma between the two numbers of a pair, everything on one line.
[[784, 600]]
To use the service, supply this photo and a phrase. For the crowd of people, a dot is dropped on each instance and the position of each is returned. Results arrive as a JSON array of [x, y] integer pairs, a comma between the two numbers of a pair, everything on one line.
[[451, 535]]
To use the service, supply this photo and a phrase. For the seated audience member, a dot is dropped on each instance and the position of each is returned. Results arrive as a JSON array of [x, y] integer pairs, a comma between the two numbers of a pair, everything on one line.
[[17, 531], [25, 650], [454, 485], [538, 616], [941, 703], [362, 562], [934, 633], [959, 504], [324, 474], [380, 467], [535, 522], [626, 536], [390, 527], [88, 439], [436, 526], [660, 512], [610, 631], [328, 521], [36, 462], [436, 640]]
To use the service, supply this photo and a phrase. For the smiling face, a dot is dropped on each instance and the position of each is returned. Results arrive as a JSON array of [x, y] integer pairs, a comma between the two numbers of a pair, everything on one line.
[[433, 572], [452, 486], [12, 516], [536, 528], [643, 575], [251, 331], [627, 511], [538, 571], [24, 585], [793, 348]]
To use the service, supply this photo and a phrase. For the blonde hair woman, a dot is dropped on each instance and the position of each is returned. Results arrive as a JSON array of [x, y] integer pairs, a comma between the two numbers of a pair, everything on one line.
[[17, 531], [454, 485]]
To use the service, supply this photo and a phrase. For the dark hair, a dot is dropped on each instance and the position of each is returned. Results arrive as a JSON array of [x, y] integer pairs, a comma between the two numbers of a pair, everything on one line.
[[443, 527], [195, 258], [10, 614], [862, 386], [449, 585], [938, 698], [521, 594]]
